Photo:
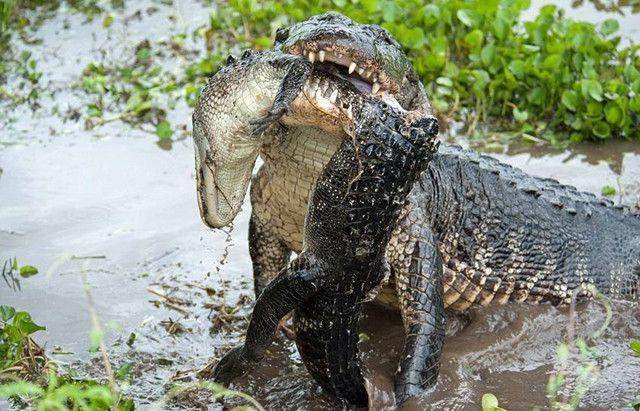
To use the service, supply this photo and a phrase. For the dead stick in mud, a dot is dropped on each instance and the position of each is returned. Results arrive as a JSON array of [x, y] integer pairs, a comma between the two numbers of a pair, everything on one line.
[[164, 296], [170, 301]]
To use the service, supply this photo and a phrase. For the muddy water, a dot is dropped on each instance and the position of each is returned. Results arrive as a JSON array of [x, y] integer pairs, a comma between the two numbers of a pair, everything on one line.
[[126, 210]]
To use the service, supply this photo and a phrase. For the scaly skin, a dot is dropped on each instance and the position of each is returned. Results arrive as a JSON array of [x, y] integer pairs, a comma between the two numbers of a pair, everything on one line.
[[353, 209], [474, 231]]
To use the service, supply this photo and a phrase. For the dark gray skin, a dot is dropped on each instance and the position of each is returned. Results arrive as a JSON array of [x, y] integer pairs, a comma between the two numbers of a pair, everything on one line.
[[355, 204], [473, 231]]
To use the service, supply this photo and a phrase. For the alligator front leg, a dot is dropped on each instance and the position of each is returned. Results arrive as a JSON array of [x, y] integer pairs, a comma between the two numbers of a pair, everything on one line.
[[418, 269], [268, 254], [297, 74], [293, 286]]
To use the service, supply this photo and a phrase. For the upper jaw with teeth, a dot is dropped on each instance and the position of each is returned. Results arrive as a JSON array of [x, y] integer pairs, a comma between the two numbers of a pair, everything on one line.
[[368, 75]]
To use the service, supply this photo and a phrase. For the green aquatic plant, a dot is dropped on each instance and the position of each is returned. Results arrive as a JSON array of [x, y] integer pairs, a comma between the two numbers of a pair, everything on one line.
[[608, 191], [551, 78], [635, 347], [19, 354], [138, 92], [64, 393]]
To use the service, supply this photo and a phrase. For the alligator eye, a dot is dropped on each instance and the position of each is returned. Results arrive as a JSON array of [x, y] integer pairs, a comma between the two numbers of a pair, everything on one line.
[[231, 59], [282, 34]]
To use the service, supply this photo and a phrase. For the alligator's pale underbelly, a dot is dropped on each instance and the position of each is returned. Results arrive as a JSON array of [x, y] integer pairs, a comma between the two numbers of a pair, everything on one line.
[[291, 168]]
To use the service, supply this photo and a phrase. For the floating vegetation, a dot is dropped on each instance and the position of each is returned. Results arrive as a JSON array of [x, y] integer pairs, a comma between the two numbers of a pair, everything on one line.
[[552, 78]]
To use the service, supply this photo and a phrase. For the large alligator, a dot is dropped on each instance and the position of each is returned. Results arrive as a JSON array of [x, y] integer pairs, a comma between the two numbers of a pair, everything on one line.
[[354, 207], [473, 230]]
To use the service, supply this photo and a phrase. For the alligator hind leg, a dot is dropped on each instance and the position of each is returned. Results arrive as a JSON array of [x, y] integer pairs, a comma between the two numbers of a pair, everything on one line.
[[417, 265], [268, 254]]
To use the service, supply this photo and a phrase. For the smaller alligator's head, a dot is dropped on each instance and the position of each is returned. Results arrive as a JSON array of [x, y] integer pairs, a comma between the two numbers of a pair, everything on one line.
[[225, 149], [240, 95], [366, 55]]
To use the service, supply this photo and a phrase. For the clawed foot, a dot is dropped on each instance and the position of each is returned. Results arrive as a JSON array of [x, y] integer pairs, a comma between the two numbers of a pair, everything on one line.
[[234, 364], [271, 118]]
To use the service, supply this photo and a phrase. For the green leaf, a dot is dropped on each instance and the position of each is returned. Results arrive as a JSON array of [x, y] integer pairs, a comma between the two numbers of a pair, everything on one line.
[[570, 100], [22, 320], [594, 109], [107, 21], [592, 88], [609, 26], [500, 27], [488, 54], [444, 81], [613, 113], [552, 62], [520, 116], [163, 130], [602, 129], [143, 54], [518, 68], [6, 312], [415, 38], [474, 38], [489, 402], [608, 191], [635, 346], [466, 17], [28, 271]]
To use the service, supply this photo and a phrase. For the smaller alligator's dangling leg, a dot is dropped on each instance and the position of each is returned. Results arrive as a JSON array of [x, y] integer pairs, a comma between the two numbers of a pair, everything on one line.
[[418, 269], [268, 254], [292, 287]]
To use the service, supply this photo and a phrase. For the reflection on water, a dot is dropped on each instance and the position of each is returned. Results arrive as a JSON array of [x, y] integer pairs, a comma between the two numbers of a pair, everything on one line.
[[120, 196]]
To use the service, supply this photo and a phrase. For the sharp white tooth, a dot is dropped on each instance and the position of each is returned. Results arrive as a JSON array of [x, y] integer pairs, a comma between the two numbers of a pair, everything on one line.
[[352, 67], [350, 113], [312, 56], [360, 70], [334, 96], [375, 88], [321, 55], [367, 74]]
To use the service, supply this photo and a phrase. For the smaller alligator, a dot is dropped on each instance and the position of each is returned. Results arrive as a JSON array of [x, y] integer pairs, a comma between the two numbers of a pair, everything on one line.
[[351, 215]]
